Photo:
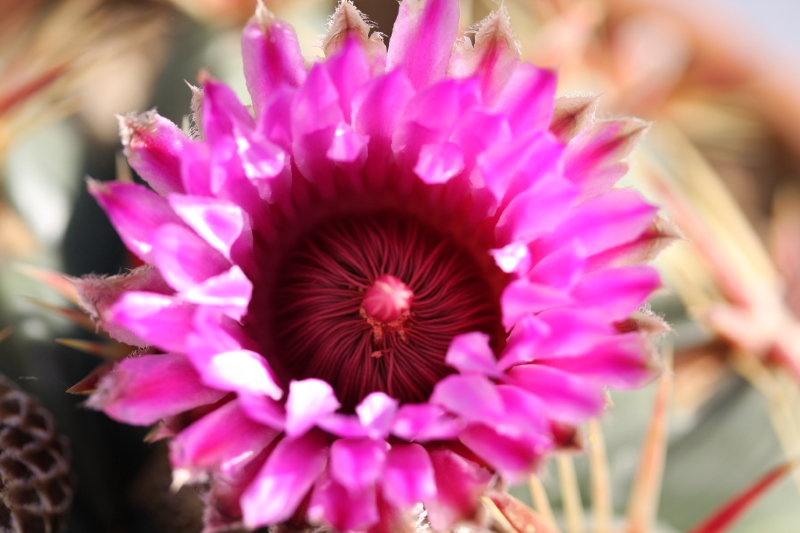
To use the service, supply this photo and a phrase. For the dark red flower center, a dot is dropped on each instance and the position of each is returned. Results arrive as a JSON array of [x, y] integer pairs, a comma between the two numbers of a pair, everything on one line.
[[371, 303]]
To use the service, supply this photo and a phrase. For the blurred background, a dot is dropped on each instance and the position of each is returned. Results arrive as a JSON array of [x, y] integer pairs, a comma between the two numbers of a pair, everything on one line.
[[720, 79]]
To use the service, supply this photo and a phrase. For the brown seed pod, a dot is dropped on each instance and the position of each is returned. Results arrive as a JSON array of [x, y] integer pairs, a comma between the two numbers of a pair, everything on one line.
[[35, 483]]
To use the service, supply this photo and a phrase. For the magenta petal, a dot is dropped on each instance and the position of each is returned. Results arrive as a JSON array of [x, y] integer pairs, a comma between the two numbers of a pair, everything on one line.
[[142, 390], [161, 320], [513, 258], [136, 213], [569, 398], [348, 24], [473, 397], [522, 297], [606, 221], [315, 116], [422, 38], [493, 58], [513, 458], [347, 145], [183, 258], [591, 159], [524, 341], [477, 130], [423, 422], [263, 409], [561, 269], [470, 352], [230, 291], [617, 291], [537, 211], [377, 108], [512, 167], [408, 475], [272, 57], [206, 445], [153, 145], [283, 482], [343, 508], [98, 294], [345, 426], [573, 331], [376, 413], [196, 169], [223, 114], [261, 159], [439, 162], [240, 370], [357, 464], [525, 413], [221, 224], [527, 98], [459, 485], [309, 401], [349, 70], [621, 362]]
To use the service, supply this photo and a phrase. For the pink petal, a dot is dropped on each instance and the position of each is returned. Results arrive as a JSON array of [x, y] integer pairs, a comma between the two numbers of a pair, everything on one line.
[[196, 169], [470, 352], [315, 116], [537, 211], [644, 248], [424, 422], [221, 224], [263, 409], [345, 426], [153, 146], [261, 159], [136, 213], [344, 509], [493, 58], [439, 162], [422, 38], [512, 167], [161, 320], [377, 108], [309, 401], [606, 221], [618, 291], [349, 69], [272, 57], [477, 130], [348, 23], [569, 398], [376, 413], [459, 485], [347, 145], [513, 458], [223, 115], [513, 258], [98, 294], [573, 331], [206, 445], [142, 390], [241, 370], [357, 464], [408, 475], [621, 362], [283, 482], [183, 258], [522, 297], [524, 413], [591, 159], [524, 341], [561, 269], [571, 115], [230, 291], [430, 116], [527, 98], [473, 397]]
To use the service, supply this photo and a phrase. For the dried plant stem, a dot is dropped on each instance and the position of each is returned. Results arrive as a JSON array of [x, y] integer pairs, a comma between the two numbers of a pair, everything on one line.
[[570, 494], [646, 490], [783, 412], [602, 504], [541, 503]]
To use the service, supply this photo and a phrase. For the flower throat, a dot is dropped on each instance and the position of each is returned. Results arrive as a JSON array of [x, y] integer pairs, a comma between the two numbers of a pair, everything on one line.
[[370, 303]]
